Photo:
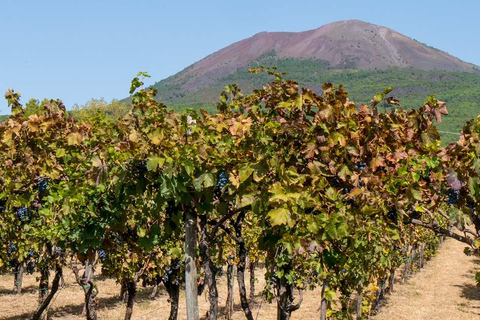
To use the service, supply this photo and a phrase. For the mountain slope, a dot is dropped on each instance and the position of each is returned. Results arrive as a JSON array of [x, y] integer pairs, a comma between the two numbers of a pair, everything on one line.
[[364, 57], [349, 44]]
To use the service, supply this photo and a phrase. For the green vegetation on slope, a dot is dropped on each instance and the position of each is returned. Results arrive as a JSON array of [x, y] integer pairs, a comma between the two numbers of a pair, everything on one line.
[[460, 90]]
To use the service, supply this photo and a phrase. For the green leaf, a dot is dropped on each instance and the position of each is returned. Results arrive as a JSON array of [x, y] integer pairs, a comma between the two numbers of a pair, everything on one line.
[[60, 153], [415, 176], [247, 199], [156, 137], [344, 173], [141, 232], [74, 138], [378, 97], [209, 180], [415, 193], [387, 90], [205, 180], [153, 162], [474, 187], [419, 209], [175, 253], [329, 294], [331, 194], [280, 216], [245, 172]]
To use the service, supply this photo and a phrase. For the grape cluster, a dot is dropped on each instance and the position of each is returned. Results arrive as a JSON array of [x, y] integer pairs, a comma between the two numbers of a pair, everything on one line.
[[416, 215], [118, 238], [392, 215], [30, 269], [165, 278], [24, 215], [11, 249], [141, 166], [102, 255], [171, 276], [361, 165], [223, 180], [59, 251], [42, 185], [452, 196]]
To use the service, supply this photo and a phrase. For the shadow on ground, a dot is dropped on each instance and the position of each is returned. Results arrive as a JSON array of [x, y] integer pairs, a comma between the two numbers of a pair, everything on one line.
[[222, 311], [71, 309], [26, 290], [469, 291]]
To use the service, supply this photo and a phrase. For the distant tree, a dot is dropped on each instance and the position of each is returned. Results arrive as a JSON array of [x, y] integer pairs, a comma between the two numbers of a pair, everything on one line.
[[33, 106], [114, 110]]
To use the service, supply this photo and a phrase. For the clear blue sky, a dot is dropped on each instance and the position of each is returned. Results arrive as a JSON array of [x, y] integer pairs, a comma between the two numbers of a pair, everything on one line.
[[78, 50]]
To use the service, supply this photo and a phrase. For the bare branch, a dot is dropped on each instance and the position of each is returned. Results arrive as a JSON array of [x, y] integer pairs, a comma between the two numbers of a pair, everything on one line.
[[443, 214], [435, 227], [294, 307], [140, 273], [227, 231], [226, 217]]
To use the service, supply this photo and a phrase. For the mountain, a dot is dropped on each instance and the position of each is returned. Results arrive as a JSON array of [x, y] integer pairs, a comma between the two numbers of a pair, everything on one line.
[[349, 44], [362, 56]]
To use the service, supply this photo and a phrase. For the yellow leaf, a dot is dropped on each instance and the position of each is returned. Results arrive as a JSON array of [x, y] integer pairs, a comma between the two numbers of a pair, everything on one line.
[[133, 137], [280, 216], [74, 138], [156, 137], [97, 162]]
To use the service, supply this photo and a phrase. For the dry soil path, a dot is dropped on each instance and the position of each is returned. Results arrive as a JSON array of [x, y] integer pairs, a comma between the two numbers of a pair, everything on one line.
[[445, 289]]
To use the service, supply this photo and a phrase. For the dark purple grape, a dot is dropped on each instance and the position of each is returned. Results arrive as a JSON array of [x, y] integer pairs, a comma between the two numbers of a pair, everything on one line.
[[42, 185], [416, 215], [222, 182], [452, 196], [102, 255], [392, 215], [12, 248], [361, 165], [24, 215], [30, 267]]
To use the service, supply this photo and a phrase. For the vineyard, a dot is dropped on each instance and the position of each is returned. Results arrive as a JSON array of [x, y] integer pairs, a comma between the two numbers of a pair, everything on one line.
[[322, 194]]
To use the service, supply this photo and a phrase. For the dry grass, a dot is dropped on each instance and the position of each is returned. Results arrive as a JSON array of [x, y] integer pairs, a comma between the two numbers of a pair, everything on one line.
[[68, 303], [445, 290]]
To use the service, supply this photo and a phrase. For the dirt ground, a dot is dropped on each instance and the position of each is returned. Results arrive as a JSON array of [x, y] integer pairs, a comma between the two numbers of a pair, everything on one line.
[[445, 289], [68, 303]]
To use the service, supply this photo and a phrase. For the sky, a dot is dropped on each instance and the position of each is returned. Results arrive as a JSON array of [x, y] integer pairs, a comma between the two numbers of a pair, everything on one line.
[[82, 50]]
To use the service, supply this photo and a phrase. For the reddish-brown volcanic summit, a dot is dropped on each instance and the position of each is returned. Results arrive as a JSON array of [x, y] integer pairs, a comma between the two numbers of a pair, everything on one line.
[[344, 44]]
